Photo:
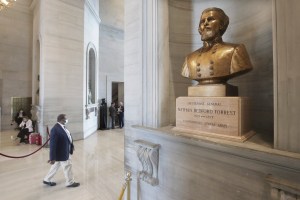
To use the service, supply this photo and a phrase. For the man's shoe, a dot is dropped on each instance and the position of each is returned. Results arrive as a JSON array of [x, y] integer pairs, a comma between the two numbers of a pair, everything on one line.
[[49, 183], [74, 185]]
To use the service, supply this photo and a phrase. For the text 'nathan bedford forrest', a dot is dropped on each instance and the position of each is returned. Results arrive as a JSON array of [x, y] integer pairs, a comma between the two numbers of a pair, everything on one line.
[[207, 111]]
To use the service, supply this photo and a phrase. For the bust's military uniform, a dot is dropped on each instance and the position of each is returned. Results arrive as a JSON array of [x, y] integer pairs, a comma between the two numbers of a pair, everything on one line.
[[216, 64]]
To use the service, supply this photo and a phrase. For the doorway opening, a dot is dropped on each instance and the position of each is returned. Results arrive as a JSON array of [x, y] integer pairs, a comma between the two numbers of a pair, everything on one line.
[[117, 95]]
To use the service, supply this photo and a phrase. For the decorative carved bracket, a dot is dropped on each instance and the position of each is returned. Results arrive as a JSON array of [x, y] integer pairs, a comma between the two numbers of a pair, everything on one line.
[[148, 154], [283, 189]]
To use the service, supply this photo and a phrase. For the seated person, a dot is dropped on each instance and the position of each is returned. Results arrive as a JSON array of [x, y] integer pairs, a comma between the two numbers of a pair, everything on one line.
[[19, 117], [26, 129]]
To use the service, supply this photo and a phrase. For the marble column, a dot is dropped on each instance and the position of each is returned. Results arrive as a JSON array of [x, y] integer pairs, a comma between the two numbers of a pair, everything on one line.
[[286, 35], [147, 63], [61, 62]]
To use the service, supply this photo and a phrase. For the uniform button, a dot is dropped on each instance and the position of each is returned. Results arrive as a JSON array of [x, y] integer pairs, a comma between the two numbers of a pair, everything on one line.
[[211, 73], [199, 75], [211, 62], [198, 69], [211, 67], [198, 64]]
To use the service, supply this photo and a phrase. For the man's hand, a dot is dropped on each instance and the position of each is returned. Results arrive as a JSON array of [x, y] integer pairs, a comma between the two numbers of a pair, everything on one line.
[[51, 162]]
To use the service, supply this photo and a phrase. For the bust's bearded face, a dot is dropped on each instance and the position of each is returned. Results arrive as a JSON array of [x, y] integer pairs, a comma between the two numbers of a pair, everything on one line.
[[210, 26]]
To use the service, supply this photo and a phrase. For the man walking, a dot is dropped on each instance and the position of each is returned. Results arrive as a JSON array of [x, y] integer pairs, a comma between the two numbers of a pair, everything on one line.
[[25, 129], [61, 146]]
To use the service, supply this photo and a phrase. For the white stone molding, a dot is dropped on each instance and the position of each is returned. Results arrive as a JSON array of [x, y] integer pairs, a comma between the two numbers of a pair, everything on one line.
[[150, 82], [148, 154], [93, 10], [155, 63], [283, 189], [89, 47]]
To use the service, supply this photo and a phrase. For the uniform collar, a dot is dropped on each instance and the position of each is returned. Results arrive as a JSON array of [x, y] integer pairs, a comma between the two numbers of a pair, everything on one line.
[[210, 44]]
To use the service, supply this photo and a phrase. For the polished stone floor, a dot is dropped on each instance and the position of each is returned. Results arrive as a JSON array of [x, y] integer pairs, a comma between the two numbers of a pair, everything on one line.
[[97, 165]]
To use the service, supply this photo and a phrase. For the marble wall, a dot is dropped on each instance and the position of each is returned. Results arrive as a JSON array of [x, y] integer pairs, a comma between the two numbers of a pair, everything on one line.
[[287, 75], [61, 71], [91, 40], [15, 56], [208, 169], [133, 62]]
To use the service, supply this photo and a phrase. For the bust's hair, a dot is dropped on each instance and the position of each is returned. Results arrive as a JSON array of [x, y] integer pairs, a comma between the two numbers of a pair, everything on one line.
[[224, 18], [61, 117]]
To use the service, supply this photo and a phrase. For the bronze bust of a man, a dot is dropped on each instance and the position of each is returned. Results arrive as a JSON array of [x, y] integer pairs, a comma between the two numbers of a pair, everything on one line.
[[216, 61]]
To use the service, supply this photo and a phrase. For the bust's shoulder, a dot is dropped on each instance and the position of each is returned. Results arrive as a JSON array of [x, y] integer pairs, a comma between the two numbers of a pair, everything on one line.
[[194, 53], [223, 45], [229, 46]]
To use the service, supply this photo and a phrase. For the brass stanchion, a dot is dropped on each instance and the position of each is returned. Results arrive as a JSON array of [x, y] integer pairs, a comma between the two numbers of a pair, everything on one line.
[[126, 185], [128, 179], [122, 191]]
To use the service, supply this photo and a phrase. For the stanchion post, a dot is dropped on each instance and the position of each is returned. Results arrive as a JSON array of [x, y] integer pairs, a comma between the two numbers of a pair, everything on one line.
[[128, 180], [122, 191]]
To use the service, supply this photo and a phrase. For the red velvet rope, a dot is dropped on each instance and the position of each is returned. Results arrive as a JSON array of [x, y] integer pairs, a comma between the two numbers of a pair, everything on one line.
[[8, 156]]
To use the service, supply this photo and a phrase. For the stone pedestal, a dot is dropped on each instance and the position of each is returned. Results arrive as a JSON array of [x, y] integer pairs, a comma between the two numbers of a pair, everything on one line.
[[221, 117]]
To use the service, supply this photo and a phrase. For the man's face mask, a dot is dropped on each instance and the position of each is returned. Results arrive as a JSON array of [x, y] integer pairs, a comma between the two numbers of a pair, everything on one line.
[[66, 121]]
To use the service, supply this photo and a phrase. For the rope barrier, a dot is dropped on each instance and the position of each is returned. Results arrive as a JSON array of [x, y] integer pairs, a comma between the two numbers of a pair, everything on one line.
[[8, 156]]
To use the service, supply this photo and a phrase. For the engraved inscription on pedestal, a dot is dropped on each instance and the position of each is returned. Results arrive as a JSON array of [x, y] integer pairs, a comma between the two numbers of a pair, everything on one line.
[[148, 154], [225, 117]]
